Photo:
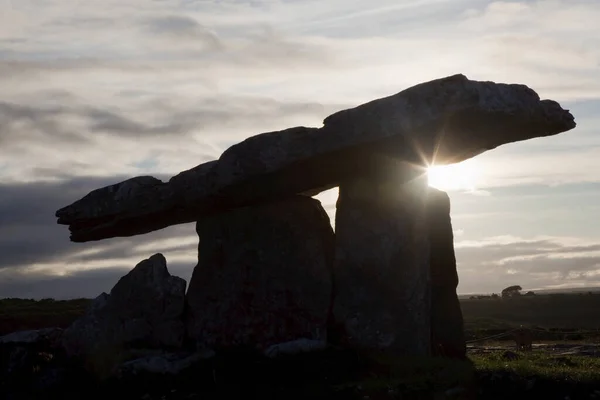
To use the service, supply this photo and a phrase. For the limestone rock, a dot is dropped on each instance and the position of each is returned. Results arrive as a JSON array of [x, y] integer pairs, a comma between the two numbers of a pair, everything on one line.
[[447, 325], [49, 336], [453, 117], [296, 347], [161, 364], [382, 298], [124, 208], [263, 276], [144, 309]]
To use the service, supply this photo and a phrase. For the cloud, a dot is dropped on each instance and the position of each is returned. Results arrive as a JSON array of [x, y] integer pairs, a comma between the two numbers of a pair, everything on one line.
[[209, 69], [100, 91], [29, 234], [490, 265], [38, 260], [84, 283], [184, 28], [163, 136]]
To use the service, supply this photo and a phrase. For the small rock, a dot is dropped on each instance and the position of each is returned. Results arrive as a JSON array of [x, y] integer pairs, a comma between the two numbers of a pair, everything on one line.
[[48, 335], [530, 384], [510, 355], [162, 364], [295, 347], [454, 391]]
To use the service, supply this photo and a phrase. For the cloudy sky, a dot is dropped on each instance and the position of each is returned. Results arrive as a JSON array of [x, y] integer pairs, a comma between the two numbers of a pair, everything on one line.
[[98, 91]]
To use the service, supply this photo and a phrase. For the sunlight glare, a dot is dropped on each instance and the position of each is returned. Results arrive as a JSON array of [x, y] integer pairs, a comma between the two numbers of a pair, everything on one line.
[[460, 176]]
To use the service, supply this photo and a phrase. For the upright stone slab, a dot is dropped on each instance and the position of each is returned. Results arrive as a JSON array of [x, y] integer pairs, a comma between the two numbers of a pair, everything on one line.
[[263, 276], [447, 329], [382, 263]]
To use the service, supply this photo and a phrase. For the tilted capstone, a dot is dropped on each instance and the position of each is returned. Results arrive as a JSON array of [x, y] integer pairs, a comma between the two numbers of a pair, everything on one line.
[[445, 120]]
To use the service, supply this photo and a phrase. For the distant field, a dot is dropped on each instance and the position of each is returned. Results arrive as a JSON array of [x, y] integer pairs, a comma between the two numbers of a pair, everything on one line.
[[24, 314], [577, 312], [483, 317]]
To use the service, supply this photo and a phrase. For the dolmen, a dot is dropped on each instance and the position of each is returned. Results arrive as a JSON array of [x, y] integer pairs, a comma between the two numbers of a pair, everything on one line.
[[271, 270]]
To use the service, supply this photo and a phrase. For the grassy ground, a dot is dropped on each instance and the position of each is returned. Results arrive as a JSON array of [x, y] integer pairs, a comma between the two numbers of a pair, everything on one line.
[[498, 373], [580, 369], [567, 311], [576, 313]]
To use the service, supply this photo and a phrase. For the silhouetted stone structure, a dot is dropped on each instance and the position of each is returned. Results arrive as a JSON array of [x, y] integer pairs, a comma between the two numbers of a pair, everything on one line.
[[394, 269]]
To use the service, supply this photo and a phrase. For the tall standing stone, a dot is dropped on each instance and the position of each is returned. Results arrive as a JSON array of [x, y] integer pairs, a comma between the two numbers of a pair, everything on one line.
[[447, 329], [382, 262], [263, 276]]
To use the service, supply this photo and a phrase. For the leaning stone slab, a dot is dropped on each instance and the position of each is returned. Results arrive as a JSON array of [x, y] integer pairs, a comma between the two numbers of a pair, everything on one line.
[[263, 276], [143, 310], [447, 120]]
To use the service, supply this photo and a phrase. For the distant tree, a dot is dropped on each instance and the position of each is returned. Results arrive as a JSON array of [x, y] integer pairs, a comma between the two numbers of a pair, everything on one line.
[[495, 296], [512, 291], [472, 298], [47, 300], [530, 293]]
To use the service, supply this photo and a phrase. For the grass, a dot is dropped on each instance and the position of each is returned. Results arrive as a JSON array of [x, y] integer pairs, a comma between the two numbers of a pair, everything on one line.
[[25, 314], [379, 377], [580, 369], [565, 311]]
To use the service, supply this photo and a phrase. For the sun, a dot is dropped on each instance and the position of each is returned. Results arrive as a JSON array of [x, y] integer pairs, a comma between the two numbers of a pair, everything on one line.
[[460, 176]]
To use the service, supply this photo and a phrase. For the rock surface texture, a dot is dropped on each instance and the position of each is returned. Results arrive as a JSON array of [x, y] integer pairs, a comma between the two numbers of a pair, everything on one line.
[[381, 265], [263, 276], [144, 309], [447, 329], [453, 117]]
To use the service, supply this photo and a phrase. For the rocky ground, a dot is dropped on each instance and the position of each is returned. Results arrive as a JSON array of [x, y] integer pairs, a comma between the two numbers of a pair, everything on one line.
[[557, 349], [550, 371], [33, 366]]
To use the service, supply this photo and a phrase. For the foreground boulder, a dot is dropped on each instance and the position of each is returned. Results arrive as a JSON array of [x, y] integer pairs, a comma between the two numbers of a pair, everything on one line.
[[263, 276], [382, 265], [447, 326], [33, 365], [449, 120], [144, 309]]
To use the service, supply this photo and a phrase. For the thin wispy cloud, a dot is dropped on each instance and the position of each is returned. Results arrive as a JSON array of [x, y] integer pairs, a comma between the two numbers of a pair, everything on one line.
[[96, 92], [488, 266]]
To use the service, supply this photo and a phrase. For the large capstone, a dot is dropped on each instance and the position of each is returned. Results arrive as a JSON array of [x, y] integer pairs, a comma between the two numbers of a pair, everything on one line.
[[381, 268], [447, 329], [449, 120], [143, 310], [263, 276]]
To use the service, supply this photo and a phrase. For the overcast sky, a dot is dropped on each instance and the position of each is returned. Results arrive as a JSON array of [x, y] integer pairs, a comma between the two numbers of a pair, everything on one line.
[[98, 91]]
